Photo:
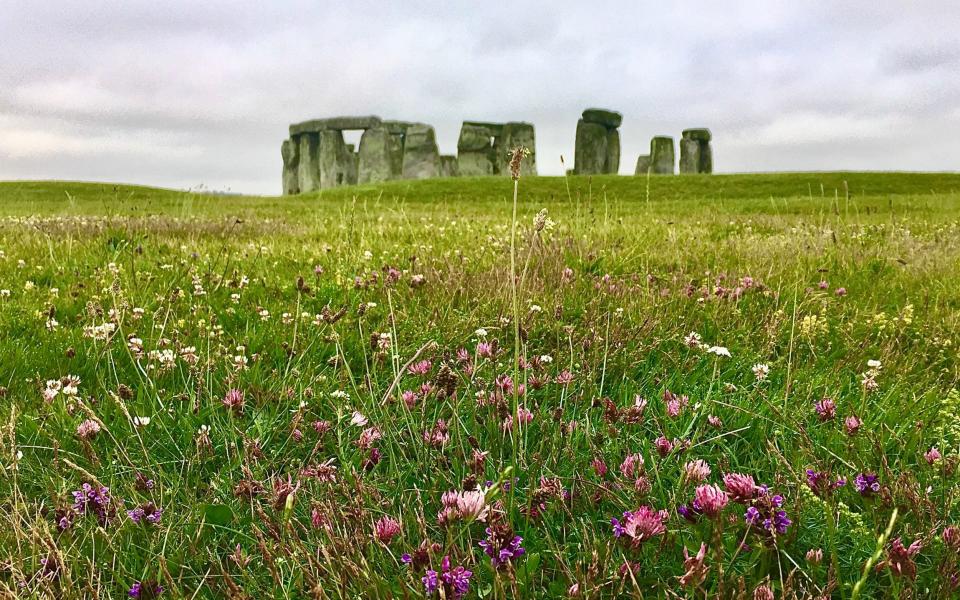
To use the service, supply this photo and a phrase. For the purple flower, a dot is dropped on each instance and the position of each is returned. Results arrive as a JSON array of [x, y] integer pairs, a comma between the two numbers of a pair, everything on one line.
[[145, 590], [821, 484], [455, 581], [145, 512], [765, 513], [866, 484], [502, 546], [91, 500]]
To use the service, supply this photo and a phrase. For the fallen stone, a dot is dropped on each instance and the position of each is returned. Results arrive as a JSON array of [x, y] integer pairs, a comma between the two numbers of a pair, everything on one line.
[[337, 123], [421, 157], [662, 157], [590, 151], [643, 165], [308, 173], [290, 153], [608, 118]]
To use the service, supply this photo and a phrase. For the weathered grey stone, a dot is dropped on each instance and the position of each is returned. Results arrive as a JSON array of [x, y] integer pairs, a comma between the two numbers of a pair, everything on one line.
[[421, 157], [308, 173], [477, 148], [396, 127], [612, 162], [290, 152], [662, 157], [706, 158], [337, 123], [396, 156], [689, 155], [448, 166], [335, 160], [515, 134], [590, 152], [701, 134], [643, 165], [376, 156], [610, 119]]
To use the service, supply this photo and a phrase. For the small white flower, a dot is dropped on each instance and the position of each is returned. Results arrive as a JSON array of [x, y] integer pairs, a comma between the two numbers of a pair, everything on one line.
[[761, 370], [481, 332], [719, 351], [358, 419], [141, 421], [874, 364]]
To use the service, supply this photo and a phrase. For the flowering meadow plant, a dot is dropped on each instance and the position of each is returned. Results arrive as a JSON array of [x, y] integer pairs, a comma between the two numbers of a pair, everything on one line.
[[724, 386]]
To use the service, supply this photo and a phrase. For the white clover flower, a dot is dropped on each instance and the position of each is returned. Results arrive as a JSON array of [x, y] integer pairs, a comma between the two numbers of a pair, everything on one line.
[[761, 371]]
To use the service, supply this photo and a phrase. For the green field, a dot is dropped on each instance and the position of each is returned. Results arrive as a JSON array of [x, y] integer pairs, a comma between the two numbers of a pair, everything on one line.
[[309, 388]]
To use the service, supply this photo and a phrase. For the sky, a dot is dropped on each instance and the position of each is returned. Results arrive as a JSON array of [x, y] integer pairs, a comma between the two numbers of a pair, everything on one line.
[[188, 94]]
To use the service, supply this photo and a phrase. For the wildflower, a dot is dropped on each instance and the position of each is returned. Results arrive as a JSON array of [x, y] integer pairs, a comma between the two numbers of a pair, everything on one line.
[[145, 512], [740, 488], [502, 546], [696, 570], [821, 484], [852, 424], [709, 499], [900, 559], [761, 371], [93, 500], [826, 409], [564, 378], [420, 368], [763, 592], [145, 590], [951, 537], [233, 400], [640, 525], [814, 556], [841, 291], [472, 505], [632, 465], [386, 528], [358, 419], [88, 430], [516, 158], [674, 403], [455, 582], [866, 484], [696, 470], [719, 351], [599, 467], [932, 455], [664, 446], [693, 340]]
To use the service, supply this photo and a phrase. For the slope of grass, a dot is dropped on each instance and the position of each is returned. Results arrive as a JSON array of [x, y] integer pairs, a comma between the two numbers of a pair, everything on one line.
[[295, 375]]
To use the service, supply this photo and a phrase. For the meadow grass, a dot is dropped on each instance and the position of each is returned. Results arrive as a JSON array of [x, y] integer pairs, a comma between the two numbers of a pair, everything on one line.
[[285, 396]]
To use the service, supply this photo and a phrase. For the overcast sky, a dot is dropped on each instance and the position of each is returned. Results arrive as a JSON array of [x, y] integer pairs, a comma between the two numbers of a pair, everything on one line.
[[180, 94]]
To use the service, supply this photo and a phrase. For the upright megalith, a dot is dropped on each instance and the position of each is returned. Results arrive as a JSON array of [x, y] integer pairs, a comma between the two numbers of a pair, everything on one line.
[[448, 166], [478, 148], [290, 153], [421, 157], [643, 165], [335, 160], [308, 171], [516, 134], [484, 148], [376, 157], [662, 157], [597, 146], [696, 156]]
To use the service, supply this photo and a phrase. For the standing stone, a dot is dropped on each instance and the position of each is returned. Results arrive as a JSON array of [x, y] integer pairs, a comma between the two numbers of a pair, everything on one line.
[[308, 174], [643, 165], [662, 157], [334, 159], [376, 156], [448, 166], [689, 156], [396, 155], [421, 157], [703, 161], [517, 134], [290, 152], [477, 149], [612, 162], [590, 153]]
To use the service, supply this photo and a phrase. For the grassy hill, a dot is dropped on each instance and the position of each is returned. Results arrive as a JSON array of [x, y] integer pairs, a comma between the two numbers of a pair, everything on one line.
[[268, 396]]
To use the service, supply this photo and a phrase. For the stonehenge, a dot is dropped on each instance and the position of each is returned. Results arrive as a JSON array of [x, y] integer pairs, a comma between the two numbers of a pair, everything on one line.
[[316, 157], [695, 153], [483, 148], [597, 148]]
